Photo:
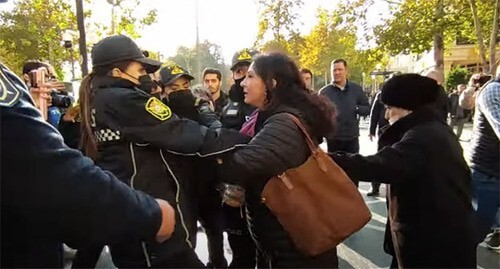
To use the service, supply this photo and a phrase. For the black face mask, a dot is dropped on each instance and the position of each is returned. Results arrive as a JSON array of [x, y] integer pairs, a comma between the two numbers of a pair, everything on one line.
[[182, 103], [145, 83], [236, 93]]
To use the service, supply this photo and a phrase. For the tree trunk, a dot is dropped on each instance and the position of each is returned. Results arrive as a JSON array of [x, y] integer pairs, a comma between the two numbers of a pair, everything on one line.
[[479, 35], [493, 39], [438, 38], [83, 39]]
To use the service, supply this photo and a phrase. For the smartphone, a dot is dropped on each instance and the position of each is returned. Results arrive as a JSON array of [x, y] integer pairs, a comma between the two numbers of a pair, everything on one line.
[[483, 79]]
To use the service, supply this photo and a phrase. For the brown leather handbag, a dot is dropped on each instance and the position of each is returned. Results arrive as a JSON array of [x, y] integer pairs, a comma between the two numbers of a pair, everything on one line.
[[316, 203]]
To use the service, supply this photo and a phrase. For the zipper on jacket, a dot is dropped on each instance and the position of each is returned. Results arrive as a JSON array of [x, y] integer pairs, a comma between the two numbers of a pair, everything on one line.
[[177, 199], [143, 244], [208, 154]]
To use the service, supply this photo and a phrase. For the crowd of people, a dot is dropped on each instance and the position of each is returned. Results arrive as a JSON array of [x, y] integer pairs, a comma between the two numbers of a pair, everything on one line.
[[144, 156]]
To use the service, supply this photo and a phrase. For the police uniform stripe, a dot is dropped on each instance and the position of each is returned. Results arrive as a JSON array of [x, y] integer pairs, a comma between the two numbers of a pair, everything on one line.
[[107, 135]]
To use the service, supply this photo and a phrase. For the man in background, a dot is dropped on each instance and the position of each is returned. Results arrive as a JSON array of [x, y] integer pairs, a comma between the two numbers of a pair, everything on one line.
[[351, 102], [307, 76], [212, 80]]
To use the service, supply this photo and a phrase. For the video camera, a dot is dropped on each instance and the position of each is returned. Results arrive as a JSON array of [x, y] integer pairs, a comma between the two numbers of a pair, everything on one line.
[[61, 99]]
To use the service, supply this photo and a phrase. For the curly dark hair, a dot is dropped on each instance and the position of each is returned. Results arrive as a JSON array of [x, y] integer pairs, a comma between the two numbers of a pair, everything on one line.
[[290, 90]]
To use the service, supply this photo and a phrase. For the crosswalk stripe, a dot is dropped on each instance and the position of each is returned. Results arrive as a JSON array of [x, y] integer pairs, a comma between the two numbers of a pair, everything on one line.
[[375, 227], [374, 201], [353, 258], [379, 218]]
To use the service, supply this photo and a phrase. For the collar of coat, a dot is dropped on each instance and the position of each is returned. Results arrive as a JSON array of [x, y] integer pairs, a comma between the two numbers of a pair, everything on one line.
[[394, 133]]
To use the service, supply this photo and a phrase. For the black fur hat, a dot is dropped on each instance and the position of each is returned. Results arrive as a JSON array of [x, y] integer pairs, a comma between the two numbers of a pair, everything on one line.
[[409, 91]]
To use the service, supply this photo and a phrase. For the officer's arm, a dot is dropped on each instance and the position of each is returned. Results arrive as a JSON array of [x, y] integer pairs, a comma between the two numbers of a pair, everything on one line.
[[63, 194], [144, 119]]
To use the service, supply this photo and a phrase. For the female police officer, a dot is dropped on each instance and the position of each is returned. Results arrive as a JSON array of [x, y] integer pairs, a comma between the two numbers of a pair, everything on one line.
[[131, 133], [52, 194]]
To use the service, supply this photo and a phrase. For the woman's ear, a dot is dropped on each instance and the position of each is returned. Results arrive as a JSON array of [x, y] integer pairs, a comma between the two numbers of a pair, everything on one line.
[[116, 73]]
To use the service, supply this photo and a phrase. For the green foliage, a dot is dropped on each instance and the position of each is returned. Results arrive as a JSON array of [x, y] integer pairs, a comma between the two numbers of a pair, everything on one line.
[[279, 18], [411, 26], [33, 30], [210, 56], [332, 38], [128, 21], [455, 77]]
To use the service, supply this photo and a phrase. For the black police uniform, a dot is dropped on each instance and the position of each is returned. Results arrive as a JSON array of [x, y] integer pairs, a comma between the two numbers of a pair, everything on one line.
[[52, 194], [151, 149], [133, 143], [185, 105]]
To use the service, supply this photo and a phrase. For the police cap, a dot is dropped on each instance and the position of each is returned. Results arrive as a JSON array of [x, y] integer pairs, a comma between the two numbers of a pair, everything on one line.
[[244, 56], [118, 48], [169, 74]]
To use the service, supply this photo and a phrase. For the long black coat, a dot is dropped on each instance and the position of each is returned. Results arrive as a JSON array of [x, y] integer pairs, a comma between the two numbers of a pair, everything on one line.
[[430, 199]]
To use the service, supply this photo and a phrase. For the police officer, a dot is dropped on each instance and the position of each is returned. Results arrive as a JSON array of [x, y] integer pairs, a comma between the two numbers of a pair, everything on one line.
[[134, 134], [233, 116], [176, 82], [52, 194], [237, 112]]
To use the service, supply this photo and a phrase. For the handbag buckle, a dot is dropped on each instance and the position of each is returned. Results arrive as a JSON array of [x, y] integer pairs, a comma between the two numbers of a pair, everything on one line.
[[286, 181]]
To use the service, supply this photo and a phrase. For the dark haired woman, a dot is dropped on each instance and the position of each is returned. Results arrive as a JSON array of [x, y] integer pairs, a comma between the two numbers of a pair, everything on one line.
[[431, 222], [274, 85]]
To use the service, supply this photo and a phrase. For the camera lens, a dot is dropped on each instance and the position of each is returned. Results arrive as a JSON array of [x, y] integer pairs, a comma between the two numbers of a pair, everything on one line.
[[61, 100]]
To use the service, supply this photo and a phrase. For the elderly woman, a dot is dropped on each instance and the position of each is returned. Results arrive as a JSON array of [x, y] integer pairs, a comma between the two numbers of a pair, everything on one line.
[[431, 222], [274, 86]]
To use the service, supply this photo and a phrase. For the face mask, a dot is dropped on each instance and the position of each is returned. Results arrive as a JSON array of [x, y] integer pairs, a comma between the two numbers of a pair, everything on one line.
[[236, 93], [182, 103], [145, 82]]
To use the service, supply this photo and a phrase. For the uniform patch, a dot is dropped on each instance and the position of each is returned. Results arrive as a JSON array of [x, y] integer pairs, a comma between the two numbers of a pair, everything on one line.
[[177, 70], [244, 55], [158, 109], [9, 93]]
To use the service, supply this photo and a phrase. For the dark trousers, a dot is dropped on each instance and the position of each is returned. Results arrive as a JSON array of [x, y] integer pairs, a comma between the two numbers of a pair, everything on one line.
[[349, 146], [213, 224], [87, 257], [240, 241], [459, 123]]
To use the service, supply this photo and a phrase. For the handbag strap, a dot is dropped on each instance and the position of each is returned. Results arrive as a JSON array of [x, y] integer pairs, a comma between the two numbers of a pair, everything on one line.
[[309, 141]]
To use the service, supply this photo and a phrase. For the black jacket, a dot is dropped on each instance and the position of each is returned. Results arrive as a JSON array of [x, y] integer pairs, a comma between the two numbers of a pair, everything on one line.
[[52, 194], [430, 194], [236, 112], [350, 103], [441, 104], [70, 131], [137, 144], [277, 146], [377, 116], [221, 103]]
